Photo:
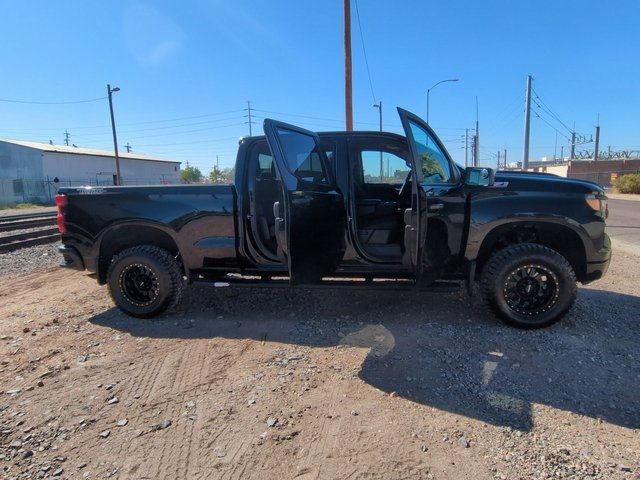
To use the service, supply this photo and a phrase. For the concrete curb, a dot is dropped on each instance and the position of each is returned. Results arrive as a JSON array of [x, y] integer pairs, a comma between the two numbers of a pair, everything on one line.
[[623, 196]]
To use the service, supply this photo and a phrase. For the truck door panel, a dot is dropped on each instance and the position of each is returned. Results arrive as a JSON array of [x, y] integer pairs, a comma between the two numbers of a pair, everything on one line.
[[310, 220]]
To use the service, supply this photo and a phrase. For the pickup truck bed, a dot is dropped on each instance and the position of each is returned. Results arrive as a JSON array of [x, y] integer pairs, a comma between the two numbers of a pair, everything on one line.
[[96, 226]]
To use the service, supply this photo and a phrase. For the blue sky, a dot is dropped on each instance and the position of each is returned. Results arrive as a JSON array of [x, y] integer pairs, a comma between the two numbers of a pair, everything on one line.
[[186, 70]]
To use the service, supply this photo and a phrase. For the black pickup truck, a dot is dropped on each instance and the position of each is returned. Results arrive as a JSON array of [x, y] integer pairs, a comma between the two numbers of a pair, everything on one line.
[[345, 210]]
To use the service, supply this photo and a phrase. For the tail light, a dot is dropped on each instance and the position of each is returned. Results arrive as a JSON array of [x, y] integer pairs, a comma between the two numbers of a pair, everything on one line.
[[61, 202]]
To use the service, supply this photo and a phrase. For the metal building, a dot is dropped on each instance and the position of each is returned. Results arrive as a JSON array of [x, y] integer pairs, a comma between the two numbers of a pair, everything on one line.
[[32, 171]]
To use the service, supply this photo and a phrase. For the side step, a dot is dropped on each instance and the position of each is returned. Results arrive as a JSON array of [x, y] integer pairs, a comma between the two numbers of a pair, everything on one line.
[[234, 280]]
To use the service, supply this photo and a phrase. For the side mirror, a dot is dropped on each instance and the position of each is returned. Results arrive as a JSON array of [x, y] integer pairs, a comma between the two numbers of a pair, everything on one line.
[[479, 176]]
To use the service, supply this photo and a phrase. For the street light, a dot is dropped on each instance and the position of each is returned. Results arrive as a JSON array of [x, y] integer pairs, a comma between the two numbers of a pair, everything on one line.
[[113, 129], [438, 83], [378, 105]]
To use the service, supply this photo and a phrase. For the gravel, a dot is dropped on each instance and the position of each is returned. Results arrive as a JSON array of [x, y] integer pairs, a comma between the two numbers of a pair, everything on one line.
[[29, 260], [404, 384]]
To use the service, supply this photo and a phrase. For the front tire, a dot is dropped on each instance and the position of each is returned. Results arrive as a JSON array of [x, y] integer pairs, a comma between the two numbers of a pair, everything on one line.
[[144, 281], [528, 285]]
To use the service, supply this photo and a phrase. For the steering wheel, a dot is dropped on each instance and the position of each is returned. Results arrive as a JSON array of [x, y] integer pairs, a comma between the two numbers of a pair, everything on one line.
[[405, 185]]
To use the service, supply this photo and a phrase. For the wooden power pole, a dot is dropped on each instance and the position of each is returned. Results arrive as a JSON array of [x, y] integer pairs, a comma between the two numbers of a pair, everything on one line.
[[348, 100]]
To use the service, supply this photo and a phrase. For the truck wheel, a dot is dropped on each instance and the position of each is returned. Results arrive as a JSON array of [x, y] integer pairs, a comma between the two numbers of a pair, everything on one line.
[[528, 285], [144, 281]]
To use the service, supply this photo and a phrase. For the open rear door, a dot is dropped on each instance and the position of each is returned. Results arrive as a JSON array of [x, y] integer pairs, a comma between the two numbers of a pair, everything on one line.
[[415, 218], [310, 222]]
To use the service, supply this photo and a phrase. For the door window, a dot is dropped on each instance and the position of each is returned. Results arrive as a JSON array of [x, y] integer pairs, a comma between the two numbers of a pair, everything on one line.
[[433, 161], [302, 156], [383, 167], [264, 160]]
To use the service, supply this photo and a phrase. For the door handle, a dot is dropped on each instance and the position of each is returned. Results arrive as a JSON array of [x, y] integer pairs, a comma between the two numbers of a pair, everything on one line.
[[436, 207], [276, 209]]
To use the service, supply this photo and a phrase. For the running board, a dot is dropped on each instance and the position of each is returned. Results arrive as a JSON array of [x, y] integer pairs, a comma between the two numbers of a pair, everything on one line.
[[354, 284]]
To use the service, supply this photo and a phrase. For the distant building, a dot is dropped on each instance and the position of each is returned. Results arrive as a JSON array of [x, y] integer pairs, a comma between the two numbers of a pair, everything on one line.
[[32, 171]]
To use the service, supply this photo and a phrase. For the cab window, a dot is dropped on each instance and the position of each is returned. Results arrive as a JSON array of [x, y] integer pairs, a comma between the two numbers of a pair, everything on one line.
[[379, 166]]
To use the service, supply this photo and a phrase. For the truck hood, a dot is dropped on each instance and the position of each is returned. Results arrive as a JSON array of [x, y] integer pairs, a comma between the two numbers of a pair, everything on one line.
[[544, 182]]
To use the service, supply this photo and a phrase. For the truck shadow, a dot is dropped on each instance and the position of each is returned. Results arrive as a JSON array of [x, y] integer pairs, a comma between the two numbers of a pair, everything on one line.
[[445, 351]]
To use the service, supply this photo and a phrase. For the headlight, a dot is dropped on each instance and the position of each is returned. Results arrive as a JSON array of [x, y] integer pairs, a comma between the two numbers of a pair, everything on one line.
[[598, 203]]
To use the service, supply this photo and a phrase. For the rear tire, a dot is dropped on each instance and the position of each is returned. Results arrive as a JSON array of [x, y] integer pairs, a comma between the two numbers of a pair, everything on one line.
[[528, 285], [144, 281]]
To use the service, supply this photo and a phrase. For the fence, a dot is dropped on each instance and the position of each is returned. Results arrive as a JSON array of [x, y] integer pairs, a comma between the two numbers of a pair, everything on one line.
[[603, 178], [22, 190]]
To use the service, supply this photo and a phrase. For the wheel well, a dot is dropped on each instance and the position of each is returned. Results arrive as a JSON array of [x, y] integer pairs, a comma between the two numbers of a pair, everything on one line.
[[121, 238], [560, 238]]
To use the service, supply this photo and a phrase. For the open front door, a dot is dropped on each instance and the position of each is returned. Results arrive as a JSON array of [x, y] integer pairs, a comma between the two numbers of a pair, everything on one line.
[[415, 218], [310, 221]]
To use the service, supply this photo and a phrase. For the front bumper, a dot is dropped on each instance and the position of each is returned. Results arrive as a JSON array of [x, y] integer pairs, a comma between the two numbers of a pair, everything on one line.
[[598, 265], [71, 258]]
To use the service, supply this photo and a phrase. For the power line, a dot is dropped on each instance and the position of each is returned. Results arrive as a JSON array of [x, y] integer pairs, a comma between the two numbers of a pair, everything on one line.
[[7, 100], [364, 51], [165, 127], [188, 143], [550, 112], [554, 128]]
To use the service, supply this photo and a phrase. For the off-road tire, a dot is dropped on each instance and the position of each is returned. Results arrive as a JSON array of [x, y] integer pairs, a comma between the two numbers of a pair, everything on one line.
[[502, 265], [162, 268]]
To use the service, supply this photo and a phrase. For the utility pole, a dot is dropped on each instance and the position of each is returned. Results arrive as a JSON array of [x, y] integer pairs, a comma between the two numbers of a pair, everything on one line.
[[66, 138], [597, 144], [473, 151], [562, 152], [217, 162], [378, 105], [504, 160], [527, 124], [348, 99], [466, 147], [476, 157], [128, 147], [250, 122], [113, 129], [573, 146], [498, 165]]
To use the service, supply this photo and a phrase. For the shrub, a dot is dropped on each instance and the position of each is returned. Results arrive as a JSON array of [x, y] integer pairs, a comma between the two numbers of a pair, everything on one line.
[[628, 183]]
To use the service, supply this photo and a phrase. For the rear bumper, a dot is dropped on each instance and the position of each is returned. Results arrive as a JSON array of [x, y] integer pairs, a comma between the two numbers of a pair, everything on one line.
[[598, 265], [71, 258]]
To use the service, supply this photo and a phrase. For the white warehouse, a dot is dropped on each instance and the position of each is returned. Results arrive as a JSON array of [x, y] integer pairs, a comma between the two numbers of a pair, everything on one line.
[[32, 171]]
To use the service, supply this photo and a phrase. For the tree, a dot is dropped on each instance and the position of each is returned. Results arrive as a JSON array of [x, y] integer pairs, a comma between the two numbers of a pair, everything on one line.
[[221, 176], [190, 174]]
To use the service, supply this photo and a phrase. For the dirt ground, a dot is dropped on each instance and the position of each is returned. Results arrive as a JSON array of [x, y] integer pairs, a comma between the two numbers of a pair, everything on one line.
[[265, 384]]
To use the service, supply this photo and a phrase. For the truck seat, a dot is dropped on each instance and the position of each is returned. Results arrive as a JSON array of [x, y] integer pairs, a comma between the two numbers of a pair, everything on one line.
[[267, 192]]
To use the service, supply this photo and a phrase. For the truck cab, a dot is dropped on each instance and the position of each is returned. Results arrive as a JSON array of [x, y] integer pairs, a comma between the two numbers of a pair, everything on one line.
[[360, 203]]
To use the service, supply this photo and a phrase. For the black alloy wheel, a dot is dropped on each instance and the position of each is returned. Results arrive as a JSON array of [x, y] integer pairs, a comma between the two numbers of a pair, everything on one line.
[[145, 280], [528, 285]]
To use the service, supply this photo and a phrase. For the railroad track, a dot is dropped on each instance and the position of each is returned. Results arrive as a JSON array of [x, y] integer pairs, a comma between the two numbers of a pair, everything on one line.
[[30, 228]]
